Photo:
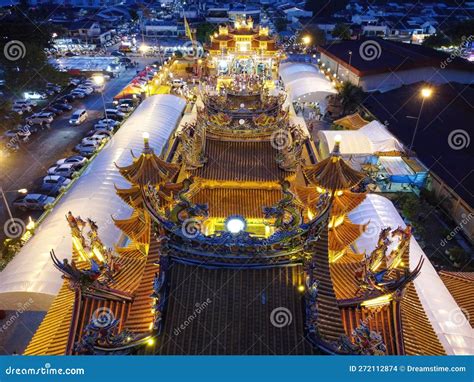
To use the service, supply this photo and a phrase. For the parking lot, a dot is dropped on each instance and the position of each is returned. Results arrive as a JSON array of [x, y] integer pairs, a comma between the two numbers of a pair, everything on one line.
[[25, 168]]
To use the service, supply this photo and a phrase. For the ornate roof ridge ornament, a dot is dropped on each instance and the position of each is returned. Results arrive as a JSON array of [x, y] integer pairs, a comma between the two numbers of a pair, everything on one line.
[[287, 215], [289, 144], [387, 274], [193, 138]]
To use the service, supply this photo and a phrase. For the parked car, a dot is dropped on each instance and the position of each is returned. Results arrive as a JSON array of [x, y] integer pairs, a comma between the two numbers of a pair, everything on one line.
[[78, 94], [62, 106], [35, 95], [33, 202], [87, 149], [53, 87], [19, 132], [30, 102], [114, 114], [65, 169], [124, 108], [74, 81], [52, 184], [20, 109], [43, 118], [22, 106], [107, 124], [85, 89], [77, 160], [54, 110], [78, 117], [67, 98], [97, 136]]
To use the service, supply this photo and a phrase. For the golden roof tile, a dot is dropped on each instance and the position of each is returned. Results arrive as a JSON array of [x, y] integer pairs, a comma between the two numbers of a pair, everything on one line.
[[51, 337], [418, 334], [137, 227], [461, 287], [333, 174], [149, 168], [249, 203], [343, 235], [240, 161]]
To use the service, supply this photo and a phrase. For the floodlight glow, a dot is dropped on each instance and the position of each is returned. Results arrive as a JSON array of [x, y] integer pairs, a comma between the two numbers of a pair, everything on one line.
[[235, 225]]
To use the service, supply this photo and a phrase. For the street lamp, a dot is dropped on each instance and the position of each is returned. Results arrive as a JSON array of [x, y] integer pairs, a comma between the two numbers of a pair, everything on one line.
[[306, 40], [21, 191], [425, 93], [99, 80], [144, 48]]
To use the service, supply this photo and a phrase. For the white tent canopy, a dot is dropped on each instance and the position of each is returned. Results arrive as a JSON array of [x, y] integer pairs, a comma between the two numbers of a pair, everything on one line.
[[370, 139], [440, 307], [305, 83], [31, 273], [382, 140]]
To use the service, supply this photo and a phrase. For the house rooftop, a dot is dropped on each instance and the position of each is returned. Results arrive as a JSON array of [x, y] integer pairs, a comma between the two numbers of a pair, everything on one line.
[[448, 109], [394, 56]]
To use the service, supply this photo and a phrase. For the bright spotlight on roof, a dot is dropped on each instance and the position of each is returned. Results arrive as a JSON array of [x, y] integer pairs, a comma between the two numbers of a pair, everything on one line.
[[235, 224]]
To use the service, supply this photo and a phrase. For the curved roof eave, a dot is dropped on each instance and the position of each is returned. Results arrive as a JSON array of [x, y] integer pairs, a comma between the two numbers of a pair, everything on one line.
[[437, 302], [31, 272]]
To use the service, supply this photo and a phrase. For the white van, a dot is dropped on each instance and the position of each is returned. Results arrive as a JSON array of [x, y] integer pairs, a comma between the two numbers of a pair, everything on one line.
[[78, 117]]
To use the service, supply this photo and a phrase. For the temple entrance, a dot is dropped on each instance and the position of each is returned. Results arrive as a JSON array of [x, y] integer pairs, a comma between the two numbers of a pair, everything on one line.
[[243, 66]]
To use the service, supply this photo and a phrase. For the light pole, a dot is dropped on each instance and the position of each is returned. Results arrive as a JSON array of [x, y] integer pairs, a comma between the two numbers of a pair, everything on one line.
[[100, 80], [21, 191], [425, 93], [306, 41]]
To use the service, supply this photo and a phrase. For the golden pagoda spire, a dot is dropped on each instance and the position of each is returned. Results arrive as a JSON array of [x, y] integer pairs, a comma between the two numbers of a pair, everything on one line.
[[333, 173], [334, 176], [149, 168]]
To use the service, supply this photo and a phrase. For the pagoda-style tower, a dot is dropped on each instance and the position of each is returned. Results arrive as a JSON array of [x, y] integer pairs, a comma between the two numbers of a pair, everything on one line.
[[147, 170], [335, 179]]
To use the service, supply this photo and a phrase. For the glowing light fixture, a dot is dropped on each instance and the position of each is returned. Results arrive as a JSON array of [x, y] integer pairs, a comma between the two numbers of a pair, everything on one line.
[[378, 301], [235, 224], [99, 79], [426, 92], [306, 40], [31, 224]]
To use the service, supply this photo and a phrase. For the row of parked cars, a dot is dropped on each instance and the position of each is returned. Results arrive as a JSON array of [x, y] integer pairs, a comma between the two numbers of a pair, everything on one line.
[[79, 89], [61, 173], [104, 128], [51, 185]]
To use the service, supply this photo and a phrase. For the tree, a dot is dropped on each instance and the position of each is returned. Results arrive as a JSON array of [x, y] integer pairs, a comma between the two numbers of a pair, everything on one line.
[[341, 31], [453, 34], [351, 96], [281, 24], [26, 64], [133, 14], [204, 31], [436, 41], [318, 36], [325, 7]]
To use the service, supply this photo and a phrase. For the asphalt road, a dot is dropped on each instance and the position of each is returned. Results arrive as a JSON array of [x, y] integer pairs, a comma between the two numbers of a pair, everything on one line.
[[26, 167]]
